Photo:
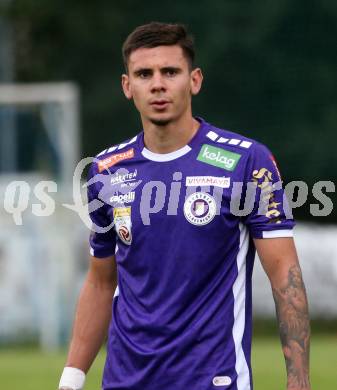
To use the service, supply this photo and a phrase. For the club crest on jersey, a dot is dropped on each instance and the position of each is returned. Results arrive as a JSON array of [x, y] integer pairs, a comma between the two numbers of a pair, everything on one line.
[[200, 208], [122, 220]]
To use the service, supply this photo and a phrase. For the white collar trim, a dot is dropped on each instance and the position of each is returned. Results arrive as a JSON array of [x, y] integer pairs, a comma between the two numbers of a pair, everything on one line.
[[162, 157]]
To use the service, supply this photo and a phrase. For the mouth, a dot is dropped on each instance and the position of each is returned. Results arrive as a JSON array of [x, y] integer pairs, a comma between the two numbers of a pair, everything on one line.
[[160, 104]]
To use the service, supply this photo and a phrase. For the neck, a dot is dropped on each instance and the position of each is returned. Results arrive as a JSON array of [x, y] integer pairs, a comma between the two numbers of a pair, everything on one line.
[[171, 137]]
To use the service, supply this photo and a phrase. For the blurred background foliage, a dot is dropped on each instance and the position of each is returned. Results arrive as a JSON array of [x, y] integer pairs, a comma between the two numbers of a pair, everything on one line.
[[270, 70]]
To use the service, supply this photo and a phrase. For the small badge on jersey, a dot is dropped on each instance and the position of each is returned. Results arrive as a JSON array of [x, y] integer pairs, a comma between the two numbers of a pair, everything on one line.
[[200, 208], [222, 381], [122, 220]]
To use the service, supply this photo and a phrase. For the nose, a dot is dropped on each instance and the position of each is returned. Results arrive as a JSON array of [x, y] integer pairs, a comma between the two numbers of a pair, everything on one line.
[[158, 83]]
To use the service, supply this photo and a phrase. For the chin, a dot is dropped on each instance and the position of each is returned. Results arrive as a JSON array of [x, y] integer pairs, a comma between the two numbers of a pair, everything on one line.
[[161, 121]]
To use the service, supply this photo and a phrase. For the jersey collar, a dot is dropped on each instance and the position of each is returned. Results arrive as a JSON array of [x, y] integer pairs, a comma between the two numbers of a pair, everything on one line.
[[164, 157]]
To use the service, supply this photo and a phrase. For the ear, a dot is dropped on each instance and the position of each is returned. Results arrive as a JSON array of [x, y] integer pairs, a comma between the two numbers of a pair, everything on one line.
[[126, 86], [196, 81]]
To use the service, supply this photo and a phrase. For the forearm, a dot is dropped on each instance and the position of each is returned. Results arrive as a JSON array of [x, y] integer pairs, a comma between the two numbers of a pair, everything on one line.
[[91, 324], [293, 317]]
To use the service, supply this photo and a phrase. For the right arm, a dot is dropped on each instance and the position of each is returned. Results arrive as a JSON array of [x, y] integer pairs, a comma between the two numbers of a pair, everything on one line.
[[93, 313]]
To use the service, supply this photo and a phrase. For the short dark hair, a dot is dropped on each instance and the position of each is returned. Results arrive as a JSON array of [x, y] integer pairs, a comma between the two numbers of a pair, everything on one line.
[[159, 34]]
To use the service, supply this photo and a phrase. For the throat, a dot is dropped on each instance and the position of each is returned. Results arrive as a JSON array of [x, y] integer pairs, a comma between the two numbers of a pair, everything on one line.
[[165, 138]]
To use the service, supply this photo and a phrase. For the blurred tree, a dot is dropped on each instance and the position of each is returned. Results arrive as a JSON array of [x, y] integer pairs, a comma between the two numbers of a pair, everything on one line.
[[270, 71]]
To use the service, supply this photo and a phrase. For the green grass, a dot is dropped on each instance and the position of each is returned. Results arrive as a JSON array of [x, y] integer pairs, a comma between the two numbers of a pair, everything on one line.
[[269, 367], [30, 369]]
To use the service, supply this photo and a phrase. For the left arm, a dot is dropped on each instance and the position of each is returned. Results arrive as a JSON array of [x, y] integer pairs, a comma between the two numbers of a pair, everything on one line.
[[279, 260]]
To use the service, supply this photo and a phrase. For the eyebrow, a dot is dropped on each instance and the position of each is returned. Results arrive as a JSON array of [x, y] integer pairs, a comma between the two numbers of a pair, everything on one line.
[[175, 68], [139, 71]]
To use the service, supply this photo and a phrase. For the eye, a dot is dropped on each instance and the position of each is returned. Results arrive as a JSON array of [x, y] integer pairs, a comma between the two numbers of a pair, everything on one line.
[[144, 74], [171, 72]]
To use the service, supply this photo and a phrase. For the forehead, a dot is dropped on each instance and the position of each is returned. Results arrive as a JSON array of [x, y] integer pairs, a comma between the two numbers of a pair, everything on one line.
[[160, 56]]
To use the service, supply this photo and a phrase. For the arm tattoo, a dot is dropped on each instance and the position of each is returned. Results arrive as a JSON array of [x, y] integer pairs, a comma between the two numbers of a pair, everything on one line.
[[293, 317]]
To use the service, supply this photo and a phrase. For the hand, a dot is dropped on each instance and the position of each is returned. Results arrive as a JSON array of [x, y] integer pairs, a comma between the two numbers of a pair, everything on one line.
[[298, 388]]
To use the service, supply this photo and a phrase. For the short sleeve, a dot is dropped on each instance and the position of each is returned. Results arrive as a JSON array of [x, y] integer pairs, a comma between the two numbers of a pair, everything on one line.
[[102, 237], [270, 216]]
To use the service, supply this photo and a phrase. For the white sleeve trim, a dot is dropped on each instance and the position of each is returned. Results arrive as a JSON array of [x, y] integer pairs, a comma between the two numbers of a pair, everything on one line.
[[92, 251], [278, 233], [116, 294]]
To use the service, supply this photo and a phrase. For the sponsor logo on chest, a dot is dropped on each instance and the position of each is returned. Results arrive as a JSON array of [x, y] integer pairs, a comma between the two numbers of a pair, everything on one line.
[[218, 157], [222, 182]]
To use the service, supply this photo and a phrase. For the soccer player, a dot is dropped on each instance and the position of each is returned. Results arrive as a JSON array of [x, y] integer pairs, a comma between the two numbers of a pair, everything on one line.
[[178, 212]]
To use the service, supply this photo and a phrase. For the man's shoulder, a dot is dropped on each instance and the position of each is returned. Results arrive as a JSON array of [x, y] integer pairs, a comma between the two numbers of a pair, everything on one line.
[[226, 139], [118, 148], [105, 161]]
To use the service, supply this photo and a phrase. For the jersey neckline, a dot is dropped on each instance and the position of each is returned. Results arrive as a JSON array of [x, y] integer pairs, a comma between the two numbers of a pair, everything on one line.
[[164, 157]]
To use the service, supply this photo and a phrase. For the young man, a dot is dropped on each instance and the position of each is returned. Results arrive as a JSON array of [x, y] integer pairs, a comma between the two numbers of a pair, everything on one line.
[[180, 249]]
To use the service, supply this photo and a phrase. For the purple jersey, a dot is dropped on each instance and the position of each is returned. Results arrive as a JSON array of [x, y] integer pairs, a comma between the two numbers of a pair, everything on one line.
[[181, 225]]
